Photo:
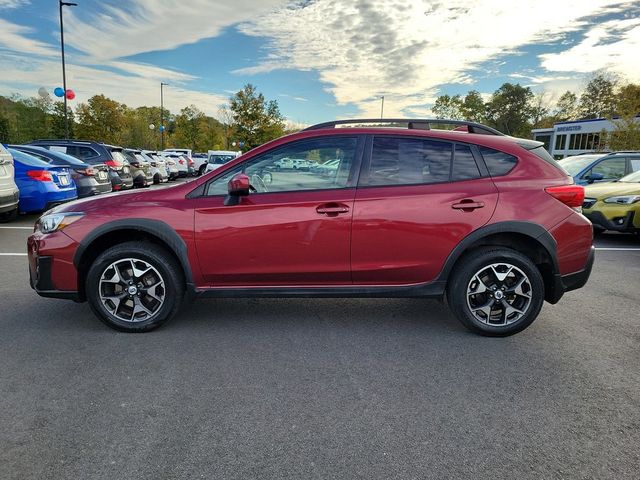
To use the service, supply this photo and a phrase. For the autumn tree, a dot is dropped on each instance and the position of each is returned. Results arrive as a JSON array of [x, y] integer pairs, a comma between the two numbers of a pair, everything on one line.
[[101, 119], [510, 110], [255, 120], [448, 107], [599, 97], [473, 107]]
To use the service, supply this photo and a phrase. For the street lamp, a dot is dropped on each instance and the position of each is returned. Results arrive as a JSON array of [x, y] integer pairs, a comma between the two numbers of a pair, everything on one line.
[[162, 84], [382, 107], [64, 73]]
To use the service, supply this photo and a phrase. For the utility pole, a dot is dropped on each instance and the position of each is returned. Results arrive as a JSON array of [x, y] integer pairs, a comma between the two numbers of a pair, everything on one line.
[[382, 107], [64, 73], [162, 85]]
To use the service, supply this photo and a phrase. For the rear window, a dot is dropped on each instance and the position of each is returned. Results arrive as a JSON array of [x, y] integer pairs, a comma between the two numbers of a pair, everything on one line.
[[498, 163], [68, 159], [27, 159]]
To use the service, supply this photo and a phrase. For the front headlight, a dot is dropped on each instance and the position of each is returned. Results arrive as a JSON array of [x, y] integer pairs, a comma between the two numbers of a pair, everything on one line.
[[57, 221], [623, 199]]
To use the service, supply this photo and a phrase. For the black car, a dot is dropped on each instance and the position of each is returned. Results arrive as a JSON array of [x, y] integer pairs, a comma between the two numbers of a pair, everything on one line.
[[90, 179], [95, 153]]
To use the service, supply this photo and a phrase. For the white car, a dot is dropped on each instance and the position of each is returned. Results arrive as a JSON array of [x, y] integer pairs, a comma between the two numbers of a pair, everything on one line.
[[9, 193], [158, 166], [194, 163], [181, 163], [217, 158], [293, 164]]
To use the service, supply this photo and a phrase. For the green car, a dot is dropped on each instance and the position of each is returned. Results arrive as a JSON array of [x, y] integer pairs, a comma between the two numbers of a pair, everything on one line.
[[614, 205]]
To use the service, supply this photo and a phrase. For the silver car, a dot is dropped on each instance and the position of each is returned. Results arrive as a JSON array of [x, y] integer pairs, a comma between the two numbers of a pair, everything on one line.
[[9, 193]]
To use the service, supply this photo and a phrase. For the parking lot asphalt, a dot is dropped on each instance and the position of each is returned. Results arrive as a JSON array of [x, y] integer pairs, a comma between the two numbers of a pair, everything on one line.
[[296, 388]]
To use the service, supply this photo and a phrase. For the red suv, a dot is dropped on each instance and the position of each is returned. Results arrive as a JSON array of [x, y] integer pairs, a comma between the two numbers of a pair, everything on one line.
[[489, 221]]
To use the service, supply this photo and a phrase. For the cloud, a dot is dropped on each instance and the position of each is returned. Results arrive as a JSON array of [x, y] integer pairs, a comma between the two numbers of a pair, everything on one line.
[[9, 4], [405, 50], [13, 38], [126, 29], [613, 46]]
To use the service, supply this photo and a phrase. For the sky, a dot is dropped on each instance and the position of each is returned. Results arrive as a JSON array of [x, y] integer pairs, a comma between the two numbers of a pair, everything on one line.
[[320, 59]]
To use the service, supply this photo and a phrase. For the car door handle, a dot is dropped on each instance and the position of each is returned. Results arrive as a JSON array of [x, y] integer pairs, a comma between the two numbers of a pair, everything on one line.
[[332, 209], [467, 205]]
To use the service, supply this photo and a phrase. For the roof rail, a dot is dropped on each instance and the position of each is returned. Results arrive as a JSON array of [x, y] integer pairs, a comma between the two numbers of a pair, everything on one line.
[[624, 151], [412, 124]]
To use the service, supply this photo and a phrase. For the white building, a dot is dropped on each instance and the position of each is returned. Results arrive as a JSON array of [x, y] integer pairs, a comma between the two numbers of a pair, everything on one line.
[[575, 137]]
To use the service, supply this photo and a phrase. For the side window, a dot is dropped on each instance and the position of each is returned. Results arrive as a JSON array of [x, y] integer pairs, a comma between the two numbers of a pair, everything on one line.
[[635, 164], [409, 161], [612, 168], [464, 165], [498, 163], [86, 152], [324, 163]]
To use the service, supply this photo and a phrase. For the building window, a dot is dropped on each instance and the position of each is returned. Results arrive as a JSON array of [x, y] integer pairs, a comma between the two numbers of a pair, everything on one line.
[[584, 141], [546, 139], [560, 142]]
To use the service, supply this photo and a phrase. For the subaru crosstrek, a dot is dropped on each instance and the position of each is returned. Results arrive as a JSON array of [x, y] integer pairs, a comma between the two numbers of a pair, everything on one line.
[[488, 221]]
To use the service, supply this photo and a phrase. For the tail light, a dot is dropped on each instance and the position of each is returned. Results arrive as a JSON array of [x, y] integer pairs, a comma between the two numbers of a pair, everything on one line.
[[116, 187], [191, 163], [571, 195], [88, 172], [181, 161], [113, 164], [40, 175]]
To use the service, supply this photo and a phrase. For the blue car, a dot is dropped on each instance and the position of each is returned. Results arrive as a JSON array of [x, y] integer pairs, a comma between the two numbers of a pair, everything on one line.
[[601, 167], [41, 185]]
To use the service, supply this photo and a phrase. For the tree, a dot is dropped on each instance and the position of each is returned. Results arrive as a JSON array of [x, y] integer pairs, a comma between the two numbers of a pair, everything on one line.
[[58, 121], [255, 120], [101, 119], [4, 130], [540, 117], [510, 110], [598, 99], [473, 107], [448, 107], [187, 127], [628, 100], [567, 107]]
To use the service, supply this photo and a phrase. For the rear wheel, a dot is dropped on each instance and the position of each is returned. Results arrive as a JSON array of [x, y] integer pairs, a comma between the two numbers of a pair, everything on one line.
[[496, 292], [8, 216], [202, 169], [135, 286]]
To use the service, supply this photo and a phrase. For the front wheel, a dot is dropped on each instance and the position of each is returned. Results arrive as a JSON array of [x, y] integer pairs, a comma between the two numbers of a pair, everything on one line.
[[135, 286], [496, 292]]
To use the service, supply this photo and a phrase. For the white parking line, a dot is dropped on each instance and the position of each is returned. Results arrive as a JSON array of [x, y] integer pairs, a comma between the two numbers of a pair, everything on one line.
[[612, 249], [13, 254], [16, 228]]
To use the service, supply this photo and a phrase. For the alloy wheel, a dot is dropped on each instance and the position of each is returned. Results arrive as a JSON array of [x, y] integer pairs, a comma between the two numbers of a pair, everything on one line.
[[132, 290], [499, 294]]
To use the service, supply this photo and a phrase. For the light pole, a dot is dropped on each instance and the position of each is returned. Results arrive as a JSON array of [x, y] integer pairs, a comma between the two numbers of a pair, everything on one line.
[[162, 84], [64, 73], [382, 107]]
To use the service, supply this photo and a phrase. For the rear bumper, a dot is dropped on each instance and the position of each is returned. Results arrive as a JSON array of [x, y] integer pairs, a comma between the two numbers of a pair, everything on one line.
[[618, 224], [572, 281], [9, 202]]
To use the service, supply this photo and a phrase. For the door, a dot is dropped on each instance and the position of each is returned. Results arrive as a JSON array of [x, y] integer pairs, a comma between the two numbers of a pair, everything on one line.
[[417, 199], [293, 229]]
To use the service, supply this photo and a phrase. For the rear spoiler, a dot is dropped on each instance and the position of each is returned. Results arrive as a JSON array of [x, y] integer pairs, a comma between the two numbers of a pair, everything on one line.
[[528, 144]]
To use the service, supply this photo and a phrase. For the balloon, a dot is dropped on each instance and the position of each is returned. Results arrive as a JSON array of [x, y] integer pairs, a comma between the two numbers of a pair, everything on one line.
[[59, 92], [71, 94], [151, 126], [43, 92], [161, 128]]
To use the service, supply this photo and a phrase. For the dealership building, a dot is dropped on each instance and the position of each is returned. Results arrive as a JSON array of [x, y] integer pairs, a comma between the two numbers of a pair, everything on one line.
[[573, 138]]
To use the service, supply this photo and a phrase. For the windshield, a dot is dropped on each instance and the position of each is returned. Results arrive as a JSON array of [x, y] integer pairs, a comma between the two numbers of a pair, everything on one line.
[[574, 165], [631, 178]]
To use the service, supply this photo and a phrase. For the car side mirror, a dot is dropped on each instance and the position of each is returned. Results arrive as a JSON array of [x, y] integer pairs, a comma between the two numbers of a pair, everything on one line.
[[237, 187], [595, 177]]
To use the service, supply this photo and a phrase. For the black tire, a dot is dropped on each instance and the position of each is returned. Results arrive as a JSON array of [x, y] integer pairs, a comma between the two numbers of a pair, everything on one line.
[[598, 231], [165, 266], [475, 263], [156, 179], [201, 170], [9, 216]]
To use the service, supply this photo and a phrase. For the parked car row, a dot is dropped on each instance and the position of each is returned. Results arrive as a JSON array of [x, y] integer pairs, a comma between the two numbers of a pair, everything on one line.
[[44, 173]]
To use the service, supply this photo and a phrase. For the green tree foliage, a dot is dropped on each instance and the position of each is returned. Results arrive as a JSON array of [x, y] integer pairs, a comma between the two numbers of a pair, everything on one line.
[[473, 107], [567, 107], [4, 130], [255, 120], [101, 119], [510, 110], [599, 97], [448, 107], [58, 121]]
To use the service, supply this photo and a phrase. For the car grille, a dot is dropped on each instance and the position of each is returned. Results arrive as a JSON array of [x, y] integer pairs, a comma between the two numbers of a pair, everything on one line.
[[589, 202]]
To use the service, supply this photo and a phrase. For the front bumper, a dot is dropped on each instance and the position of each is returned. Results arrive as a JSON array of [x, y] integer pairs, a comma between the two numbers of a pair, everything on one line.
[[572, 281], [40, 280], [51, 270], [619, 224]]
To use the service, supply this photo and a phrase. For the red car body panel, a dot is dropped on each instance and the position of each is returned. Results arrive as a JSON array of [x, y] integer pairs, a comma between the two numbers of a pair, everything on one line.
[[391, 235]]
